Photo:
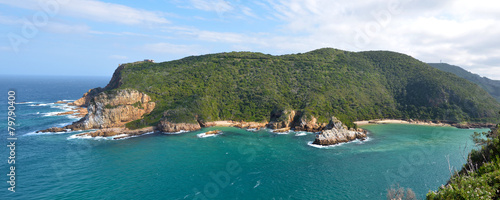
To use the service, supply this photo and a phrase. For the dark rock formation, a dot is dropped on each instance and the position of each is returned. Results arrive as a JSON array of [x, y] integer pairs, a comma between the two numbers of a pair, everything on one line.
[[52, 130], [169, 127], [108, 132], [282, 119], [336, 132]]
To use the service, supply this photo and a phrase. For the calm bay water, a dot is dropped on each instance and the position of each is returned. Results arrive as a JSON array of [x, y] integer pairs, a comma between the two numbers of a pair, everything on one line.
[[238, 164]]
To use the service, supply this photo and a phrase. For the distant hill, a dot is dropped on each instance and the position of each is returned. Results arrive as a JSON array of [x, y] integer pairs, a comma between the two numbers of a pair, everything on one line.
[[322, 83], [491, 86]]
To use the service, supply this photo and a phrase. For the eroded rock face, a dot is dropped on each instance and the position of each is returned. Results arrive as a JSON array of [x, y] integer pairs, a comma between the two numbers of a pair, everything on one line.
[[85, 100], [282, 119], [308, 123], [336, 132], [114, 109], [169, 127]]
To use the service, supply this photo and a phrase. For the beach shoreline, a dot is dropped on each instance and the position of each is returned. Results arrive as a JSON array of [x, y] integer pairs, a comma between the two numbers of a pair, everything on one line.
[[425, 123]]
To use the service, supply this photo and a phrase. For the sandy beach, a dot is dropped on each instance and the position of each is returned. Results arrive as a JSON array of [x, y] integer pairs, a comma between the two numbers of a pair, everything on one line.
[[399, 121]]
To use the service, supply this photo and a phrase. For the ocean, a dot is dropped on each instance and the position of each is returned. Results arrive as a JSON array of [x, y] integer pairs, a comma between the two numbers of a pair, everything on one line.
[[238, 164]]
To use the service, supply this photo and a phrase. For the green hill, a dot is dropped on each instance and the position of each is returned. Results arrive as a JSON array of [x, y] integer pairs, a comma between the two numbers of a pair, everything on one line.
[[322, 83], [491, 86]]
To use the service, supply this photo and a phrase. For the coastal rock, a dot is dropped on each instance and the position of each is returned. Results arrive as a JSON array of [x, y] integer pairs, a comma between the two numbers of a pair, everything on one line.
[[114, 109], [52, 130], [60, 102], [124, 132], [474, 125], [308, 123], [282, 119], [78, 112], [250, 125], [85, 100], [214, 132], [336, 132], [169, 127], [230, 123]]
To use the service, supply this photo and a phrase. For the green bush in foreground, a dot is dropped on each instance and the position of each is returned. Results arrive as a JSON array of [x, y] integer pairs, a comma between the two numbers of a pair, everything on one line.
[[480, 176]]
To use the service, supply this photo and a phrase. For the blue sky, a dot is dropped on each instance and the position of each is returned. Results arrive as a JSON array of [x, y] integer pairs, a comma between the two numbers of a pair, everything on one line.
[[91, 37]]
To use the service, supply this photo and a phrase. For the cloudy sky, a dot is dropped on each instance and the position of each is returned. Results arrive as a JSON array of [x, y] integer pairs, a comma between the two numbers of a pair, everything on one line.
[[91, 37]]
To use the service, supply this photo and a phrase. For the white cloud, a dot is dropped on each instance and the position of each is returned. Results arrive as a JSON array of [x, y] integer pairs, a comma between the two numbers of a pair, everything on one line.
[[92, 10], [5, 48], [118, 57], [65, 28], [219, 6], [461, 32], [8, 20]]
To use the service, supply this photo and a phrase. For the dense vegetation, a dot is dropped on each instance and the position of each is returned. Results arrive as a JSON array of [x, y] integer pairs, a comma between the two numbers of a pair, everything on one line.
[[322, 83], [480, 176], [491, 86]]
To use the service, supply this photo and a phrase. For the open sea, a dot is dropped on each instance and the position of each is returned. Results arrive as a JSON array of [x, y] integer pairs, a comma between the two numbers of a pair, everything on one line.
[[238, 164]]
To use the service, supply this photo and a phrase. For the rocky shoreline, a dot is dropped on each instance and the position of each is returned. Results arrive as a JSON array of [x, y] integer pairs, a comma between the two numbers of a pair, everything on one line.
[[109, 111]]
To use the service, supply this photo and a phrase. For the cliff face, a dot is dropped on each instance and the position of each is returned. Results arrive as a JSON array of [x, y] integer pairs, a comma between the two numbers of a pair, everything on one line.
[[282, 119], [336, 132], [115, 109], [285, 120], [169, 127], [85, 100]]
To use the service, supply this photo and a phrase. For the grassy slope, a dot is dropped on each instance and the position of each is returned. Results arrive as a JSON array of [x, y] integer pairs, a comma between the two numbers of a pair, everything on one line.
[[325, 82]]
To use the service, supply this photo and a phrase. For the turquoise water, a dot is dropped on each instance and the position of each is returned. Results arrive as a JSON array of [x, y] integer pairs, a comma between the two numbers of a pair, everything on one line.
[[238, 164]]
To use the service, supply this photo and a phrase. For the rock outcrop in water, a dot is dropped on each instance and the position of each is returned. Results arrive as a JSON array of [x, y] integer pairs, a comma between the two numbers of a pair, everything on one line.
[[336, 132], [121, 131]]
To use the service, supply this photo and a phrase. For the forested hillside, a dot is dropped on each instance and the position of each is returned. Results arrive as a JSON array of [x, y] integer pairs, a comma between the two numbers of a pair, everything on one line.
[[491, 86], [322, 83]]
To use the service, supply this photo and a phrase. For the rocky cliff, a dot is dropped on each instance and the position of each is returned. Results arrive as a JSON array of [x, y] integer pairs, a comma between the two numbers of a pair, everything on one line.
[[110, 109], [114, 109], [169, 127], [85, 100], [336, 132], [285, 120]]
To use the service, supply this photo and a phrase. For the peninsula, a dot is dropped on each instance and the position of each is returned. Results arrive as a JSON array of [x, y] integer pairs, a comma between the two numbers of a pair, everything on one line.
[[324, 91]]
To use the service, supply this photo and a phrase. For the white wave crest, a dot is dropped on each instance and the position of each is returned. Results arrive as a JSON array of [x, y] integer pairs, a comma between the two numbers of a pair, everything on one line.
[[339, 144], [174, 133], [204, 135], [29, 102], [301, 133]]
